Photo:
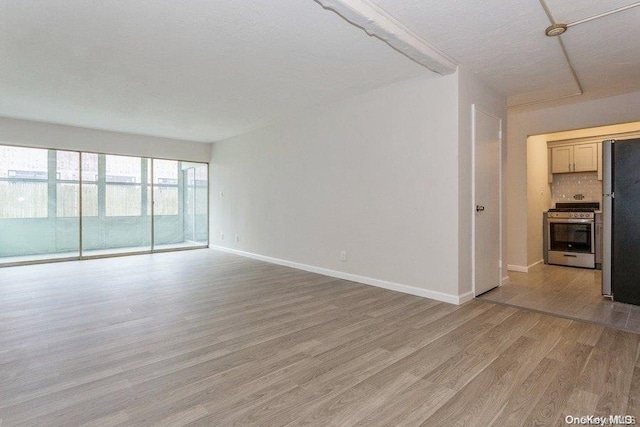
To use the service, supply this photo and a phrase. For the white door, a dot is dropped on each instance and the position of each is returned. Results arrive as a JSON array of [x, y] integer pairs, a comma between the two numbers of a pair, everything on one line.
[[487, 209]]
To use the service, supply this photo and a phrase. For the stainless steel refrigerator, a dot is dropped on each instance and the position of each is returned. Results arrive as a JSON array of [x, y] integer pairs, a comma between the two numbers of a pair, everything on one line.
[[621, 220]]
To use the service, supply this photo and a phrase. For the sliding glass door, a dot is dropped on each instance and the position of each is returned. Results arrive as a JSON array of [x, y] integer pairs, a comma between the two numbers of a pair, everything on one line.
[[180, 204], [61, 204], [115, 214], [38, 204], [64, 203], [168, 209], [195, 176]]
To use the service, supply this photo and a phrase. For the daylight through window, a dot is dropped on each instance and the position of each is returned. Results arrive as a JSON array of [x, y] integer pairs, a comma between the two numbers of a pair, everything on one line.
[[66, 204]]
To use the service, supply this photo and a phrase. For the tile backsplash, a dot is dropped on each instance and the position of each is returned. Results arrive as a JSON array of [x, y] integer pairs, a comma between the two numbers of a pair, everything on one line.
[[566, 186]]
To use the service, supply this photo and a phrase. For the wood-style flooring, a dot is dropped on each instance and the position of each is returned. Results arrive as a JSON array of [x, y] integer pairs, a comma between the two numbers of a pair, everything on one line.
[[202, 338], [574, 293]]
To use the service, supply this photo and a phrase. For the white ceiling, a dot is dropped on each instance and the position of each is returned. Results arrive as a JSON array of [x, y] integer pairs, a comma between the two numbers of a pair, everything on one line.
[[208, 69], [200, 69]]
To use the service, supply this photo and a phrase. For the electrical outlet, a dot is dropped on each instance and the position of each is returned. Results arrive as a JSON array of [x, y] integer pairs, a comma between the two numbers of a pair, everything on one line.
[[343, 255], [221, 236], [237, 238]]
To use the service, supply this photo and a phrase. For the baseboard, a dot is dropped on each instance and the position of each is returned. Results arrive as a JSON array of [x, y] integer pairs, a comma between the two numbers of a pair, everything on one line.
[[522, 268], [540, 261], [504, 280], [468, 296], [407, 289], [518, 268]]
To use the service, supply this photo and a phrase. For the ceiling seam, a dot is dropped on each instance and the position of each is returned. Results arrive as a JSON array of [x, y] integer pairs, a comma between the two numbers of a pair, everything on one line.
[[571, 68], [574, 74], [602, 15]]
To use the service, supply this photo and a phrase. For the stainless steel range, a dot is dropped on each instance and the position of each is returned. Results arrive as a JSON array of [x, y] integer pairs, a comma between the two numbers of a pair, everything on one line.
[[571, 234]]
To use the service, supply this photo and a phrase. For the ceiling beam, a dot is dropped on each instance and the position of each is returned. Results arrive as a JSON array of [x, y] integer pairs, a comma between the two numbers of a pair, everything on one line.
[[378, 23]]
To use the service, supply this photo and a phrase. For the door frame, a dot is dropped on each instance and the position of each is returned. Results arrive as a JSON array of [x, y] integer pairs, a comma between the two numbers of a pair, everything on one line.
[[474, 110]]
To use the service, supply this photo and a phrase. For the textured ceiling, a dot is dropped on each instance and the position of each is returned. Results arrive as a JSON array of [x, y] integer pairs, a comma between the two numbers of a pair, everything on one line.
[[208, 69], [503, 42], [199, 69]]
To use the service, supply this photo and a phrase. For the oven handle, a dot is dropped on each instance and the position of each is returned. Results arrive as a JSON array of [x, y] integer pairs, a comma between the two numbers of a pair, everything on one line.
[[571, 221]]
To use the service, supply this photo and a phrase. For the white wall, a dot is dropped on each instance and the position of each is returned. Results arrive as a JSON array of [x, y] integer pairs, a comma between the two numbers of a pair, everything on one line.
[[524, 123], [538, 195], [472, 91], [376, 175], [46, 135]]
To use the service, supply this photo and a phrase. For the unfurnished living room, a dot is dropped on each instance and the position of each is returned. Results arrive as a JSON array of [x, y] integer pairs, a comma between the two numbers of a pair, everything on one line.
[[319, 212]]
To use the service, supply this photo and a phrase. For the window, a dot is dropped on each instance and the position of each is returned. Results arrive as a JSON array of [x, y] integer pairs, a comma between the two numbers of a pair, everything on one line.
[[123, 186], [67, 184], [24, 190], [165, 184], [69, 204]]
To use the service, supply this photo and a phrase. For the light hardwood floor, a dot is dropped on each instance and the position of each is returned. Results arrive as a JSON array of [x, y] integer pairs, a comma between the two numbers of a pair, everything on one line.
[[574, 293], [210, 339]]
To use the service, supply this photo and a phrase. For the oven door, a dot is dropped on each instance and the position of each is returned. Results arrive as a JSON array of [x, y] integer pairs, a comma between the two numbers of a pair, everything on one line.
[[572, 235], [572, 242]]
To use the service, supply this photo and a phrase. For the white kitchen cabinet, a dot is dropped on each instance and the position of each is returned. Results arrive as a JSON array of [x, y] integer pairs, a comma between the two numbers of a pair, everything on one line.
[[574, 158], [585, 157], [562, 159]]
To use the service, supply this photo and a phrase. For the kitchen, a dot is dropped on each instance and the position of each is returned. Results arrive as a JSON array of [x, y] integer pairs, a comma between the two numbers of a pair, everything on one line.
[[565, 230]]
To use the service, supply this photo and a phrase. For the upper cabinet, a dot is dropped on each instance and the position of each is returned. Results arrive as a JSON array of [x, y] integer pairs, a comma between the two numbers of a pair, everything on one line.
[[585, 157], [574, 158], [561, 159], [580, 154]]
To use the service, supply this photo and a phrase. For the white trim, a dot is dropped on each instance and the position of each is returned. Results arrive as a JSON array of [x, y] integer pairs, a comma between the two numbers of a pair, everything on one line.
[[407, 289], [522, 268], [540, 261], [593, 138], [504, 280], [518, 268], [475, 108], [467, 296]]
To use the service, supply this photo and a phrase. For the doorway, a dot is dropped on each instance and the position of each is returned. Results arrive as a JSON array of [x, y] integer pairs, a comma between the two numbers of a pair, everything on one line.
[[561, 290]]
